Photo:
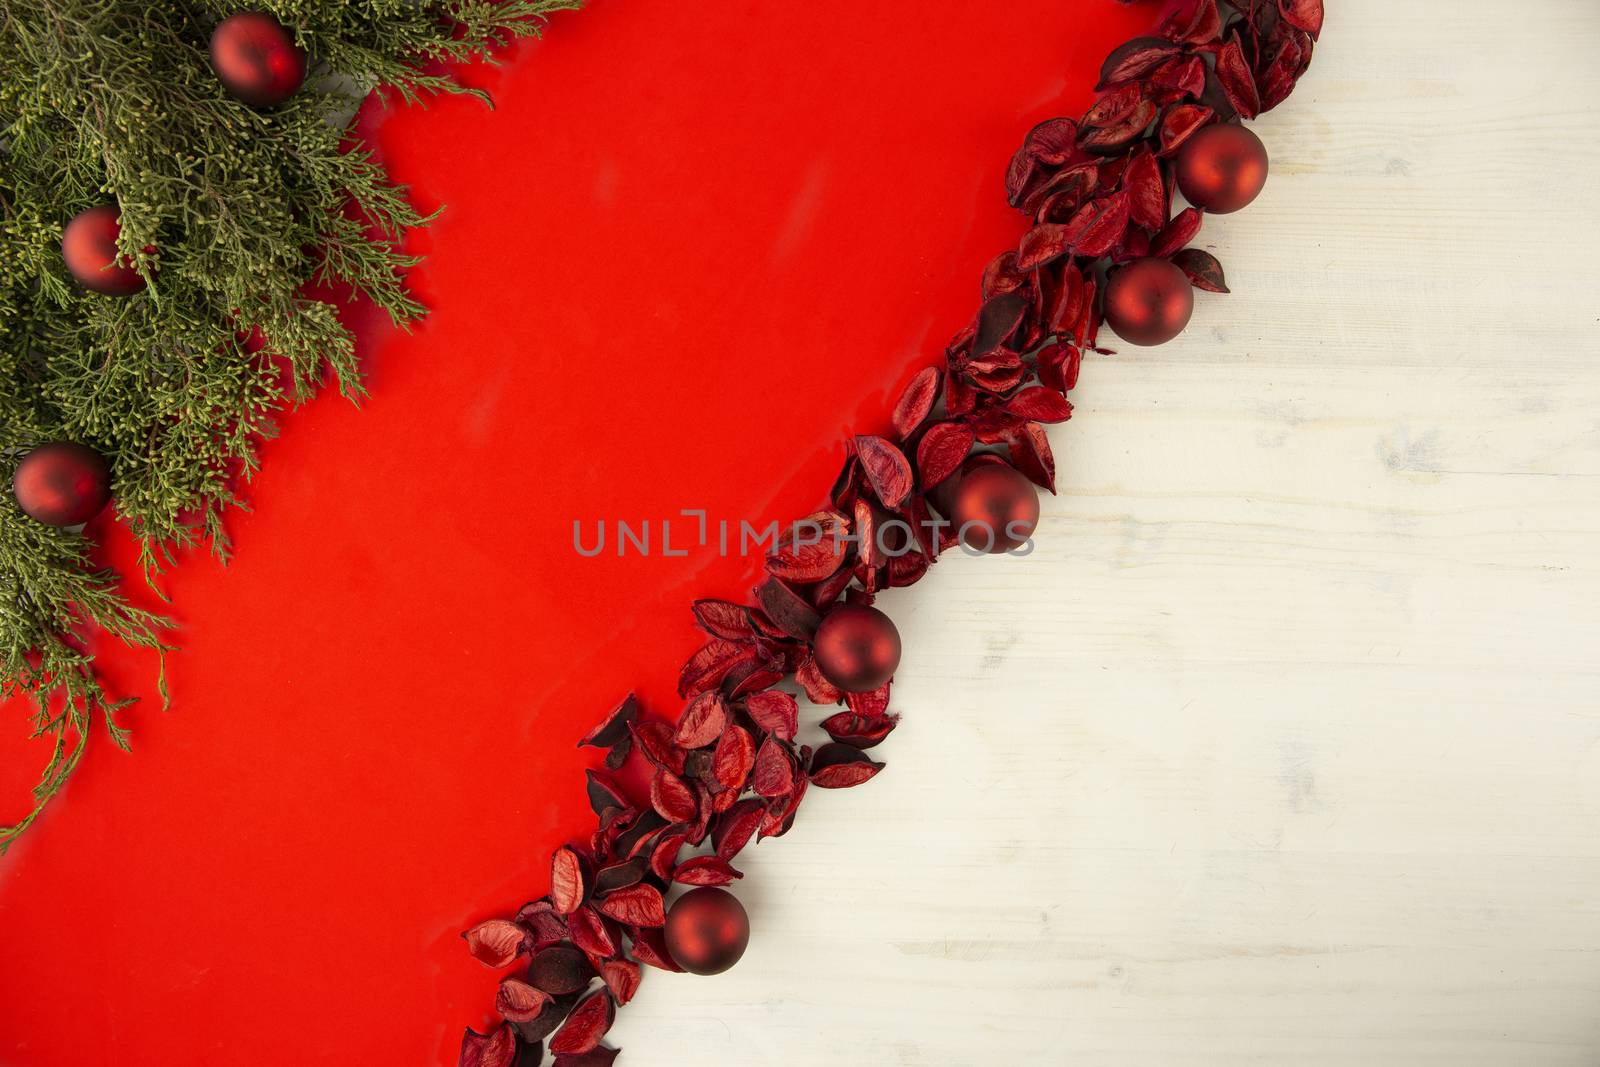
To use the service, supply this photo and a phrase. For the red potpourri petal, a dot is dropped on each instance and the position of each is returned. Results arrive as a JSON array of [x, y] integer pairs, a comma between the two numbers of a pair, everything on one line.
[[1304, 15], [723, 618], [886, 469], [520, 1002], [941, 451], [1039, 404], [498, 1049], [586, 1025], [622, 978], [912, 410], [1135, 59], [775, 712], [595, 1057], [590, 934], [496, 942], [736, 828], [706, 870], [1202, 268], [774, 772], [613, 729], [664, 857], [674, 800], [566, 881], [703, 721], [639, 905], [735, 757], [656, 742], [1147, 194], [650, 948], [1177, 233], [859, 731], [839, 766], [1238, 83], [788, 610], [560, 969]]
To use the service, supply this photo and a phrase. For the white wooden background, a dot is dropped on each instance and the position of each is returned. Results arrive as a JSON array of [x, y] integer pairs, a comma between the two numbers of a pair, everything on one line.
[[1285, 746]]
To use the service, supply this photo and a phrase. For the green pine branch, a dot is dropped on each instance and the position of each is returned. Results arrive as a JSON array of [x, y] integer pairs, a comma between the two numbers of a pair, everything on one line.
[[229, 213]]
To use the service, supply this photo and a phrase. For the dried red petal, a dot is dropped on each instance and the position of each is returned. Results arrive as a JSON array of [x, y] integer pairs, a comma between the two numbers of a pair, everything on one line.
[[671, 797], [886, 469], [787, 609], [723, 618], [639, 905], [1177, 233], [1147, 194], [705, 870], [839, 766], [560, 969], [734, 829], [1180, 123], [775, 712], [941, 451], [703, 721], [496, 942], [622, 978], [1193, 22], [547, 927], [859, 731], [1031, 454], [1135, 59], [664, 857], [818, 689], [1098, 225], [566, 881], [613, 729], [1039, 404], [498, 1049], [595, 1057], [1203, 269], [1303, 15], [774, 772], [605, 795], [917, 401], [589, 933], [735, 757], [586, 1025], [650, 947], [1238, 83], [656, 742], [520, 1002], [1045, 242], [707, 667]]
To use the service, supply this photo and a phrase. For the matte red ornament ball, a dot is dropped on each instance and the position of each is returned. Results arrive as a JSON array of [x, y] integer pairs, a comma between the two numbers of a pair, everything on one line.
[[1222, 168], [62, 483], [1149, 301], [857, 647], [256, 58], [89, 249], [707, 930], [996, 508]]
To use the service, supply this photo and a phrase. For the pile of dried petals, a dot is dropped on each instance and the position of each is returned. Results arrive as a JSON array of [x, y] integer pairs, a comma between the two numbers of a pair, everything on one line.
[[729, 772]]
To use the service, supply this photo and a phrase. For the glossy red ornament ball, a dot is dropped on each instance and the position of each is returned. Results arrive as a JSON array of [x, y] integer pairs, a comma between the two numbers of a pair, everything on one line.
[[996, 508], [89, 249], [707, 930], [256, 59], [857, 647], [1149, 301], [62, 483], [1222, 168]]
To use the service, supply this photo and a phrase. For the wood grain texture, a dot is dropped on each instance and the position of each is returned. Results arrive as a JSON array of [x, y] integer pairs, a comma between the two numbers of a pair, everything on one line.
[[1285, 745]]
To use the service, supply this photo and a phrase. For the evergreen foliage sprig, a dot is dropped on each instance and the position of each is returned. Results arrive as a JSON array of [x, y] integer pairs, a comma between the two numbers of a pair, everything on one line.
[[229, 213]]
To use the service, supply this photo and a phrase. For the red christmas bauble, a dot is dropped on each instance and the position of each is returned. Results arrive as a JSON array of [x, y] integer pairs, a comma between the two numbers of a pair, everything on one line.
[[1149, 301], [707, 930], [857, 647], [996, 508], [256, 59], [89, 248], [1222, 168], [62, 483]]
